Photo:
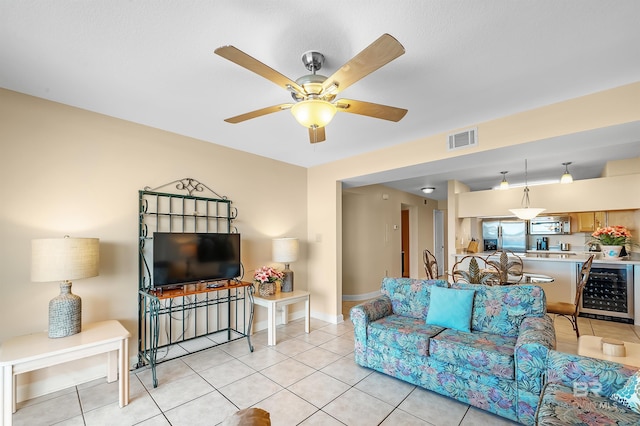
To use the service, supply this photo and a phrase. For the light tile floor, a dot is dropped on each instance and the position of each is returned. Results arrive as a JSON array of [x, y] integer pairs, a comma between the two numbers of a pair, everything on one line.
[[306, 379]]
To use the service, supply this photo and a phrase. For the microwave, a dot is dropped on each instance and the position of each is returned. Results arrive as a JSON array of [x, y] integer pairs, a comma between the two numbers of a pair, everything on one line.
[[550, 225]]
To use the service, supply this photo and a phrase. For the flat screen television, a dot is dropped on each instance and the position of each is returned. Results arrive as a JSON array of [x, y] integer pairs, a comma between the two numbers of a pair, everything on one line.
[[187, 258]]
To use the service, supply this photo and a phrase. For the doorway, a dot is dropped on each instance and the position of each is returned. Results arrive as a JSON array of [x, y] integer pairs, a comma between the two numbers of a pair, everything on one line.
[[438, 239], [405, 250]]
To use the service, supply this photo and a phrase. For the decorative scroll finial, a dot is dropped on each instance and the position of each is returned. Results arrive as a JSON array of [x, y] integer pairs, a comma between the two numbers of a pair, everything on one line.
[[190, 185]]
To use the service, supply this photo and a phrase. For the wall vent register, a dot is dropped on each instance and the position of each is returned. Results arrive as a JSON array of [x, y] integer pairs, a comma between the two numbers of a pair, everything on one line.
[[465, 139]]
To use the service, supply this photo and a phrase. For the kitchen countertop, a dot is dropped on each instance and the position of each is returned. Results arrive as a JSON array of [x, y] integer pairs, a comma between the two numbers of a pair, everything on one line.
[[561, 256]]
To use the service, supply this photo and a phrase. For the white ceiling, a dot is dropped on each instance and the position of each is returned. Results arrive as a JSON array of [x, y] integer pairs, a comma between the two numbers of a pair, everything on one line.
[[152, 62]]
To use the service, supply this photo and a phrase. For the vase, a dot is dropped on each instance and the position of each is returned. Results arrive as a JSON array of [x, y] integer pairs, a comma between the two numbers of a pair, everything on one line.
[[267, 289], [611, 252]]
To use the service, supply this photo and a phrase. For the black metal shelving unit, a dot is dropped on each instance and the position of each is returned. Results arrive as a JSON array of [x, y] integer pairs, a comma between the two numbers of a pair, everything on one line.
[[180, 316]]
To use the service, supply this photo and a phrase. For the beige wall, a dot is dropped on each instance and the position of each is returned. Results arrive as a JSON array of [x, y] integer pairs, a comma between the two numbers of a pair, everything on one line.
[[603, 109], [629, 166], [70, 171], [371, 244]]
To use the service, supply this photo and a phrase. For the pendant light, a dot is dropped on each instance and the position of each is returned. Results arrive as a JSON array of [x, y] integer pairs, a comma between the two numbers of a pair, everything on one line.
[[566, 177], [504, 184], [526, 212]]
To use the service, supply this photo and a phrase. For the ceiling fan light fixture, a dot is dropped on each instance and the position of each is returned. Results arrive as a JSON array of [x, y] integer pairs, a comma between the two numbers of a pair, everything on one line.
[[313, 113], [566, 177]]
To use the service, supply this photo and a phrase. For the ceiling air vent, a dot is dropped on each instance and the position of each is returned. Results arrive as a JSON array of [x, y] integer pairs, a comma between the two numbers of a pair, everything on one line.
[[463, 139]]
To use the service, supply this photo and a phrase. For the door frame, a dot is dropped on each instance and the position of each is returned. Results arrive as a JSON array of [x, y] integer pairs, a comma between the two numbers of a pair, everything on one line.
[[439, 240]]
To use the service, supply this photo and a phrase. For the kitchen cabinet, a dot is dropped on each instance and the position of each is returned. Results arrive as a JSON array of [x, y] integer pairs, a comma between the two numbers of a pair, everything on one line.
[[626, 218], [590, 221]]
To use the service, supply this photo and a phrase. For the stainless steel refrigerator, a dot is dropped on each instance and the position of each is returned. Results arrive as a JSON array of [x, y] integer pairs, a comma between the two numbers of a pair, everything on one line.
[[504, 234]]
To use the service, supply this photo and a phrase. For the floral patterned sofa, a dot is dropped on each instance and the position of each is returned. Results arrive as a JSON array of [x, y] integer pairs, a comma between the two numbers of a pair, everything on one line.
[[498, 366], [579, 389]]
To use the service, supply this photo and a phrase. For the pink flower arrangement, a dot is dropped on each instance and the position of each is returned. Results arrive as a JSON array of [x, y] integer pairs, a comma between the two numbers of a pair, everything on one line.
[[612, 236], [267, 274]]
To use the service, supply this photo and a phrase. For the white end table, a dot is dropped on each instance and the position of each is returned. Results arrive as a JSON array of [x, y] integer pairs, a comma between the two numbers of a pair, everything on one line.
[[35, 351], [592, 346], [282, 300]]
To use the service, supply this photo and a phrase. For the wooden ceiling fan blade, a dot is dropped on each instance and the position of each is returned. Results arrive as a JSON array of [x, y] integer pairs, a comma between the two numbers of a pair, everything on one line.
[[257, 113], [317, 135], [370, 109], [237, 56], [379, 53]]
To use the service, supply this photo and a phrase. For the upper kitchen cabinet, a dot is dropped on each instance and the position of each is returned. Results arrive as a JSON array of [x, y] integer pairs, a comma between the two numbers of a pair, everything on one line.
[[590, 221], [626, 218]]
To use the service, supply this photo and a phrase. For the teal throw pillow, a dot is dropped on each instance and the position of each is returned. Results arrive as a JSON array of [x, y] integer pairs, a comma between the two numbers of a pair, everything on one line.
[[629, 395], [451, 308]]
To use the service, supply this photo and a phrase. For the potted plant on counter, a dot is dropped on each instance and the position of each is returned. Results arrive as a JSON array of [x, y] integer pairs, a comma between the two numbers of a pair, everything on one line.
[[612, 239]]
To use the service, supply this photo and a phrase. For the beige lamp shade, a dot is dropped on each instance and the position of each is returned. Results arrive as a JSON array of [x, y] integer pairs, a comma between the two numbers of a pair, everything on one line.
[[61, 259], [285, 250]]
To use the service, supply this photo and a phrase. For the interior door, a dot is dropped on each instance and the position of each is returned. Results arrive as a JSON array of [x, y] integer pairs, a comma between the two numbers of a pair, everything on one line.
[[405, 244]]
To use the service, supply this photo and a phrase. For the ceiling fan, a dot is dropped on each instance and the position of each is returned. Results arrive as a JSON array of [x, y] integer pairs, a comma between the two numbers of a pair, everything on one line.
[[314, 94]]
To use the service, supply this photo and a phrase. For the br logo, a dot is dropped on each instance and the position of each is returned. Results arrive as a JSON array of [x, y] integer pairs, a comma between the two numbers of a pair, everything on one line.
[[583, 389]]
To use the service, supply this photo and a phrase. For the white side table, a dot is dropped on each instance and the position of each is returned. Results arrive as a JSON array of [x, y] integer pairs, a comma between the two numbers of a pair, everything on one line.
[[272, 303], [591, 346], [35, 351]]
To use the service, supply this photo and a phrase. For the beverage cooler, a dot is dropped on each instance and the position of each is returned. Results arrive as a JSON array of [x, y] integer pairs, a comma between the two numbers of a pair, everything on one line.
[[608, 294]]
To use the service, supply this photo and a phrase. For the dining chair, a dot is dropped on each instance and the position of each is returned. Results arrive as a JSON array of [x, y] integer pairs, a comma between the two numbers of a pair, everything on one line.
[[474, 270], [508, 264], [430, 264], [571, 310]]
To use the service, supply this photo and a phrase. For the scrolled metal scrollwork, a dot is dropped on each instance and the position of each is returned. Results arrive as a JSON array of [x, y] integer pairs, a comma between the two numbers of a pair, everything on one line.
[[190, 185]]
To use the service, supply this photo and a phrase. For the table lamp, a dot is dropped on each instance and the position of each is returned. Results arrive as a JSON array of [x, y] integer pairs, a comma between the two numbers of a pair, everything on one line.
[[64, 259], [285, 250]]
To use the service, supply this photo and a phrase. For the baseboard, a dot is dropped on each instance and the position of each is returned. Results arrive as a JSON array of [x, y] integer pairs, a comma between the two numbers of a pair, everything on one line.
[[359, 297], [263, 325], [333, 319]]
